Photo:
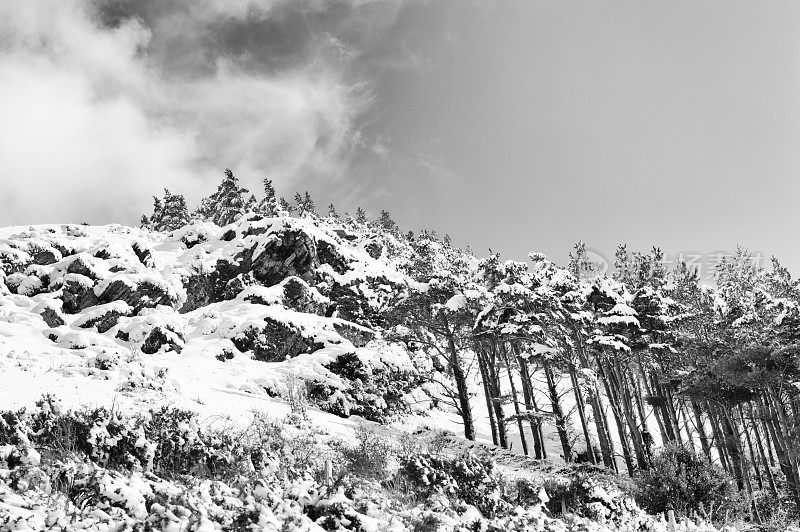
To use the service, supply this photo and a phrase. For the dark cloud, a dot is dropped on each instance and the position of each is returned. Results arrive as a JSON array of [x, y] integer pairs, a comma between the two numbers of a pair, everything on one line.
[[151, 94]]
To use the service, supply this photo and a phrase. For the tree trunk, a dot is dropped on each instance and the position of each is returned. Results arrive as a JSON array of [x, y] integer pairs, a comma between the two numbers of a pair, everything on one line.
[[682, 411], [673, 416], [615, 410], [664, 408], [600, 420], [624, 395], [530, 406], [558, 412], [760, 445], [460, 378], [719, 440], [496, 395], [486, 392], [732, 446], [701, 431], [515, 398], [581, 406], [753, 458], [785, 435]]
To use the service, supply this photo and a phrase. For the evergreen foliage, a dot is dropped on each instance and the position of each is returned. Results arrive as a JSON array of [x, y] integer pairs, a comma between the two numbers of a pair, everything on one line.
[[169, 213], [228, 203]]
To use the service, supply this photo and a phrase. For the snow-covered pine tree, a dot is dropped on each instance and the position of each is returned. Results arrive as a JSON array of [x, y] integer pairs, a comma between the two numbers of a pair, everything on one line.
[[332, 211], [305, 205], [168, 214], [308, 204], [269, 205], [158, 212], [284, 207], [226, 204], [385, 221], [361, 216], [174, 213]]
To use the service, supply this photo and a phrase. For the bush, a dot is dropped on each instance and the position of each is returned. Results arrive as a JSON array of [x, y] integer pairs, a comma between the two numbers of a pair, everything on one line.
[[369, 459], [295, 393], [168, 442], [375, 394], [682, 480], [470, 478]]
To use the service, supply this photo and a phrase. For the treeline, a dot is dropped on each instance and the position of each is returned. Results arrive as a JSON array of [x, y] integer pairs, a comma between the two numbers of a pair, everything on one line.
[[715, 369], [604, 359], [232, 201]]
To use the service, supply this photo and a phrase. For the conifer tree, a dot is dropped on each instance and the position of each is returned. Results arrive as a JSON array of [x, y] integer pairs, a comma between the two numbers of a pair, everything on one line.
[[332, 211], [268, 205], [174, 214], [385, 221], [361, 216], [308, 204], [226, 204], [284, 206], [168, 214]]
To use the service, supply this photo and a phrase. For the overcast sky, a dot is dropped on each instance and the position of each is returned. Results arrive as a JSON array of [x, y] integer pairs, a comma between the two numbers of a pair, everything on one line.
[[515, 125]]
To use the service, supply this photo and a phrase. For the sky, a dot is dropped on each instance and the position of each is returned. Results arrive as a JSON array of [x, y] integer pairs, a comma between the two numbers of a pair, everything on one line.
[[510, 125]]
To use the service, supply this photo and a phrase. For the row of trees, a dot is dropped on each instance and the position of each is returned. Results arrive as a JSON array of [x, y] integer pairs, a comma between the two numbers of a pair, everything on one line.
[[641, 356], [231, 201]]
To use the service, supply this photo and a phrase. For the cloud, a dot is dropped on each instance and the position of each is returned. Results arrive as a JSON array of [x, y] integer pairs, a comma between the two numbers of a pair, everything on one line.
[[102, 105]]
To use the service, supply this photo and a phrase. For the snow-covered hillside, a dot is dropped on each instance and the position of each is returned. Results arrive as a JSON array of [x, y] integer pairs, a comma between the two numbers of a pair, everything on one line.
[[229, 323], [204, 315]]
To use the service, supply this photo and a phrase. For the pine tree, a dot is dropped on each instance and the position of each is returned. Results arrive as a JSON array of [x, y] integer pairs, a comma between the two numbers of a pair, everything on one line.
[[168, 214], [361, 216], [332, 211], [174, 214], [385, 221], [252, 204], [226, 204], [298, 201], [308, 204], [268, 205], [158, 212], [284, 206]]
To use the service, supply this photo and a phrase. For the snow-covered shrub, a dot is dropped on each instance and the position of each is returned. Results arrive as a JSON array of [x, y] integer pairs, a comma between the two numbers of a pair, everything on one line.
[[168, 441], [470, 478], [182, 447], [370, 458], [376, 394], [335, 514], [295, 393], [291, 447], [680, 479], [103, 435]]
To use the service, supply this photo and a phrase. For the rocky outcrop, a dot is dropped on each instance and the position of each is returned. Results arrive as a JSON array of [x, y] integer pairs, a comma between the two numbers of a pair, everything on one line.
[[160, 337], [52, 317], [141, 295], [77, 293], [274, 342], [290, 252]]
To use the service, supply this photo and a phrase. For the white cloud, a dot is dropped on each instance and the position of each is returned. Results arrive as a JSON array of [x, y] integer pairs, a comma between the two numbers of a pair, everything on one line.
[[90, 127]]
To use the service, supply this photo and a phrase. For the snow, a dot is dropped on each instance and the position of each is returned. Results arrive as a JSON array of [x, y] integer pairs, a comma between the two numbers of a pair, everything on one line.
[[84, 367]]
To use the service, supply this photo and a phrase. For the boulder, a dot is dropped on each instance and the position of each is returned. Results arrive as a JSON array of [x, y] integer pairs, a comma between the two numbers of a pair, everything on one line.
[[274, 342]]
